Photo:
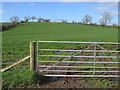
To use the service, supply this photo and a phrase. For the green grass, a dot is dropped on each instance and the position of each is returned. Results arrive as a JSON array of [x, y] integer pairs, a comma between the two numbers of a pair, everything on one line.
[[59, 31], [20, 78], [16, 44]]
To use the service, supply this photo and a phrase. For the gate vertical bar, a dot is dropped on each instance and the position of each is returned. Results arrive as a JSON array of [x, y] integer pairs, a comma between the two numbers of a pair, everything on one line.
[[37, 47], [94, 59], [32, 55]]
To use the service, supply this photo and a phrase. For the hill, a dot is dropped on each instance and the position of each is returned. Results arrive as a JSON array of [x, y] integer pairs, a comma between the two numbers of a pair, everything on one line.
[[59, 31], [15, 46]]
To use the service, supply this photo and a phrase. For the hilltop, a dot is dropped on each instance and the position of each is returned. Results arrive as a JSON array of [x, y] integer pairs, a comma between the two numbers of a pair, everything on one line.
[[60, 31]]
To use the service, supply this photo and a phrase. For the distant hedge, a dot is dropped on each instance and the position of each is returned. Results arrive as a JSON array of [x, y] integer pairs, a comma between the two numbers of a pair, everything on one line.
[[5, 27], [101, 25]]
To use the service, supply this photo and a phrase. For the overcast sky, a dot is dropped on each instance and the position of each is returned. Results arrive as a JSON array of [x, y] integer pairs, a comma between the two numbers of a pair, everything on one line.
[[59, 10]]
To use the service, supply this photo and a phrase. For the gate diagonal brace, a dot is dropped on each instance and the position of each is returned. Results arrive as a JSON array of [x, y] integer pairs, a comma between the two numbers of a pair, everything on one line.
[[65, 59]]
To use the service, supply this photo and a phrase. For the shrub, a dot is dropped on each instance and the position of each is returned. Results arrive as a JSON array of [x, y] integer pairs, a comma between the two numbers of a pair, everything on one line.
[[8, 26], [22, 21]]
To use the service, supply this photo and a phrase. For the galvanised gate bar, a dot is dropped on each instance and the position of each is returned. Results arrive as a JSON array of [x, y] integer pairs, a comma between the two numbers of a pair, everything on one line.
[[61, 60]]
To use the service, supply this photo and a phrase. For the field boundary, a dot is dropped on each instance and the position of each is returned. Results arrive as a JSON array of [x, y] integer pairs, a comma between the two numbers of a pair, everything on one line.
[[14, 64], [34, 49], [95, 45]]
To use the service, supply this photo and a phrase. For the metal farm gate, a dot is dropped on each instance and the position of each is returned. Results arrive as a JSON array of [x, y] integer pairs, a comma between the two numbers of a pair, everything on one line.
[[76, 59]]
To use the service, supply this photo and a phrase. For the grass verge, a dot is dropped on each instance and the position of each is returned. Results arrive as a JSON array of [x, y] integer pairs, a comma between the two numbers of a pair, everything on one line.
[[20, 78]]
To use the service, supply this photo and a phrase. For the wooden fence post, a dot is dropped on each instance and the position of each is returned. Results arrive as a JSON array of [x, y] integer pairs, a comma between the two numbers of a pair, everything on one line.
[[32, 55]]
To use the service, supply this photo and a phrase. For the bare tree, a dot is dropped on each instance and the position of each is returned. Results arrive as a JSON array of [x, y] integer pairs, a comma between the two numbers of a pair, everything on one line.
[[40, 19], [101, 21], [14, 19], [106, 18], [87, 19], [33, 18], [27, 18], [95, 23], [64, 21]]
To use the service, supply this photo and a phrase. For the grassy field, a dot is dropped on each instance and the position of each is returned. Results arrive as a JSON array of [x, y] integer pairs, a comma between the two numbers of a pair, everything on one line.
[[16, 42], [59, 31], [6, 23]]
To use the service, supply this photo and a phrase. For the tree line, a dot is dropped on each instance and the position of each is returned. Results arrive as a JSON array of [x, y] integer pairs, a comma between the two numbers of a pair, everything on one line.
[[105, 19], [16, 19]]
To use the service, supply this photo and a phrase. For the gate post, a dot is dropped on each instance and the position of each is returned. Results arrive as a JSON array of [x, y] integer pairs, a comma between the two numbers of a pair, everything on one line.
[[32, 55]]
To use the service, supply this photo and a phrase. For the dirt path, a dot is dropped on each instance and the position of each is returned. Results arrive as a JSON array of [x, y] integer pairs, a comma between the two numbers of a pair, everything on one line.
[[76, 83], [63, 83]]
